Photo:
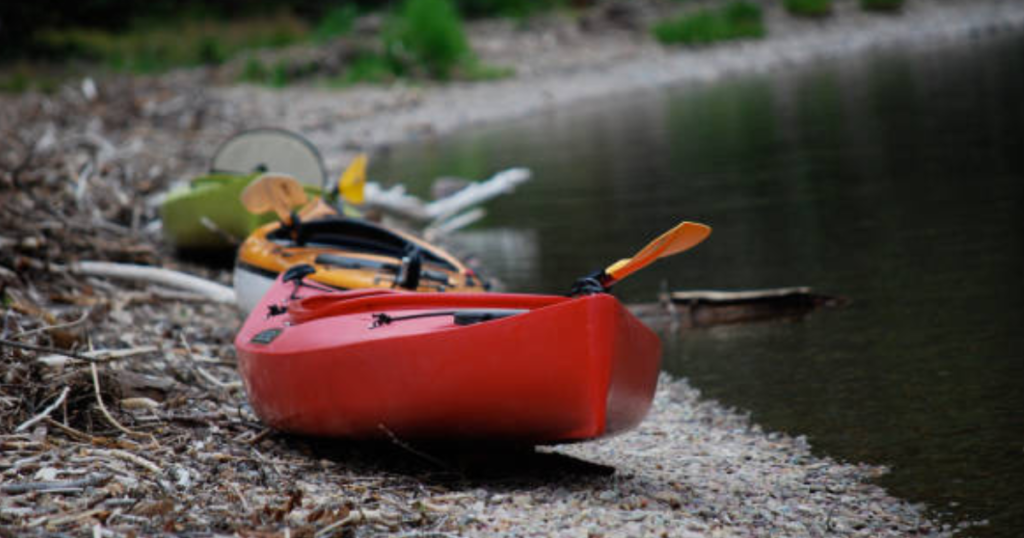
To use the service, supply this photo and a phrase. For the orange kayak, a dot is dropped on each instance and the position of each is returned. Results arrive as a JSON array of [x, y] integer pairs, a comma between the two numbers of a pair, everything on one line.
[[532, 369], [347, 253]]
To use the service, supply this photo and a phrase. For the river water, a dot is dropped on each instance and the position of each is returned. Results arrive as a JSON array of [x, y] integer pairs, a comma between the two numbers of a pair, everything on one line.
[[895, 179]]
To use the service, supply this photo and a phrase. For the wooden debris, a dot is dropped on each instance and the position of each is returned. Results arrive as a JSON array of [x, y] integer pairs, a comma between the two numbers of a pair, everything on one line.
[[703, 308], [157, 275], [397, 202], [46, 412]]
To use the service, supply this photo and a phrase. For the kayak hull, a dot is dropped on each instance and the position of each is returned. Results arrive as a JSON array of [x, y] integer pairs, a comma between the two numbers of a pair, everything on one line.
[[563, 370]]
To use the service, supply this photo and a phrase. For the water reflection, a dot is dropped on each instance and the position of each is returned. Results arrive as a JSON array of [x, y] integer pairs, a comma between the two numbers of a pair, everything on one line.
[[512, 253], [896, 180]]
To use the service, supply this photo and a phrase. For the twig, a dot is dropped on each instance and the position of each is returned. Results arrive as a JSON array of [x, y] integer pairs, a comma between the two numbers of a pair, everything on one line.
[[26, 487], [128, 456], [80, 435], [47, 349], [238, 493], [209, 377], [84, 317], [157, 275], [259, 436], [73, 517], [46, 412], [95, 356], [202, 372], [355, 516], [103, 408], [405, 446]]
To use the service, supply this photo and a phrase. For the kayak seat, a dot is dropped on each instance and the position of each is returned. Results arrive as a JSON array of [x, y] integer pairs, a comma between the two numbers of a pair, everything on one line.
[[353, 235]]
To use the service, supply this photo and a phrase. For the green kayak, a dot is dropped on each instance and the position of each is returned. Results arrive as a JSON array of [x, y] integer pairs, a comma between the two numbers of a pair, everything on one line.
[[207, 214]]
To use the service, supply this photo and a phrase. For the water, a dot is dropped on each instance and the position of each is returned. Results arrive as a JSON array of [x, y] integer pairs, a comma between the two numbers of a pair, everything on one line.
[[896, 180]]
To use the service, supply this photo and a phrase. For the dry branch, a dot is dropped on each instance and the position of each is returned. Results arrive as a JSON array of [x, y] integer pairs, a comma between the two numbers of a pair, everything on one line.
[[157, 275], [46, 412]]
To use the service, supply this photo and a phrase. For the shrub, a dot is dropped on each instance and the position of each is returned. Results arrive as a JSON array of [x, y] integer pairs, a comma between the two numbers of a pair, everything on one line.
[[151, 47], [881, 5], [809, 8], [508, 8], [368, 68], [254, 71], [427, 33], [736, 20], [336, 22]]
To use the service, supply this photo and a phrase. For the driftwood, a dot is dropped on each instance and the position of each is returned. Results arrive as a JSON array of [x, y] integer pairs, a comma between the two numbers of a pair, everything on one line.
[[398, 202], [157, 275], [703, 308]]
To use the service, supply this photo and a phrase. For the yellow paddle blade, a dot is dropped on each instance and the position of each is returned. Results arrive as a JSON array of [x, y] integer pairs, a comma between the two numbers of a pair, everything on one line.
[[274, 192], [684, 236], [353, 180]]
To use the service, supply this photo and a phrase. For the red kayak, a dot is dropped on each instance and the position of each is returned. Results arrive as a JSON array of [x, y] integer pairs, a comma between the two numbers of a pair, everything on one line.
[[527, 368], [535, 369]]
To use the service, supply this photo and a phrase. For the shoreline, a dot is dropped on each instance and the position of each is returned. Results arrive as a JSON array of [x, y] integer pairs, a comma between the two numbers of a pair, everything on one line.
[[692, 468], [342, 123]]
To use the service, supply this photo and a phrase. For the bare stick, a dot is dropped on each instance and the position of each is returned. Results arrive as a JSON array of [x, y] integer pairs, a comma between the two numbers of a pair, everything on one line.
[[26, 487], [46, 412], [80, 435], [95, 356], [84, 317], [128, 456], [259, 436], [47, 349], [238, 493], [356, 516], [405, 446], [206, 375], [103, 408], [157, 275]]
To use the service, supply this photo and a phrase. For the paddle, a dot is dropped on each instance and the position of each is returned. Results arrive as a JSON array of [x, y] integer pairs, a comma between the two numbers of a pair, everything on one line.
[[273, 191], [683, 236], [353, 181]]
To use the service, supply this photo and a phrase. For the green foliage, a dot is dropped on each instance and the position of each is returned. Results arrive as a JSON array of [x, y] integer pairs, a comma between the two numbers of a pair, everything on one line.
[[338, 21], [881, 5], [735, 20], [427, 33], [371, 68], [254, 71], [474, 69], [809, 8], [146, 48], [277, 75], [506, 8], [280, 75]]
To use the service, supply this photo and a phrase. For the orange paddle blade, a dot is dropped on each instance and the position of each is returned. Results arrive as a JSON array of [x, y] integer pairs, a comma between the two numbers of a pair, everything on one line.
[[684, 236], [276, 192]]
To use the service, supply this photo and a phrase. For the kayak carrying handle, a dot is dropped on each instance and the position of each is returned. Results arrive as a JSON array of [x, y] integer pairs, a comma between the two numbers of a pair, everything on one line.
[[462, 317], [322, 306]]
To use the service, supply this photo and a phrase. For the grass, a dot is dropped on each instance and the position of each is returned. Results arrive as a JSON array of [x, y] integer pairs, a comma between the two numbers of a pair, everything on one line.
[[735, 20], [507, 8], [809, 8], [420, 39], [335, 23], [881, 5], [24, 76], [146, 48]]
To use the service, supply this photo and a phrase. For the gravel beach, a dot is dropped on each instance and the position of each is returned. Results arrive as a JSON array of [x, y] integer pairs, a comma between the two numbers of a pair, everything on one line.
[[121, 413]]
